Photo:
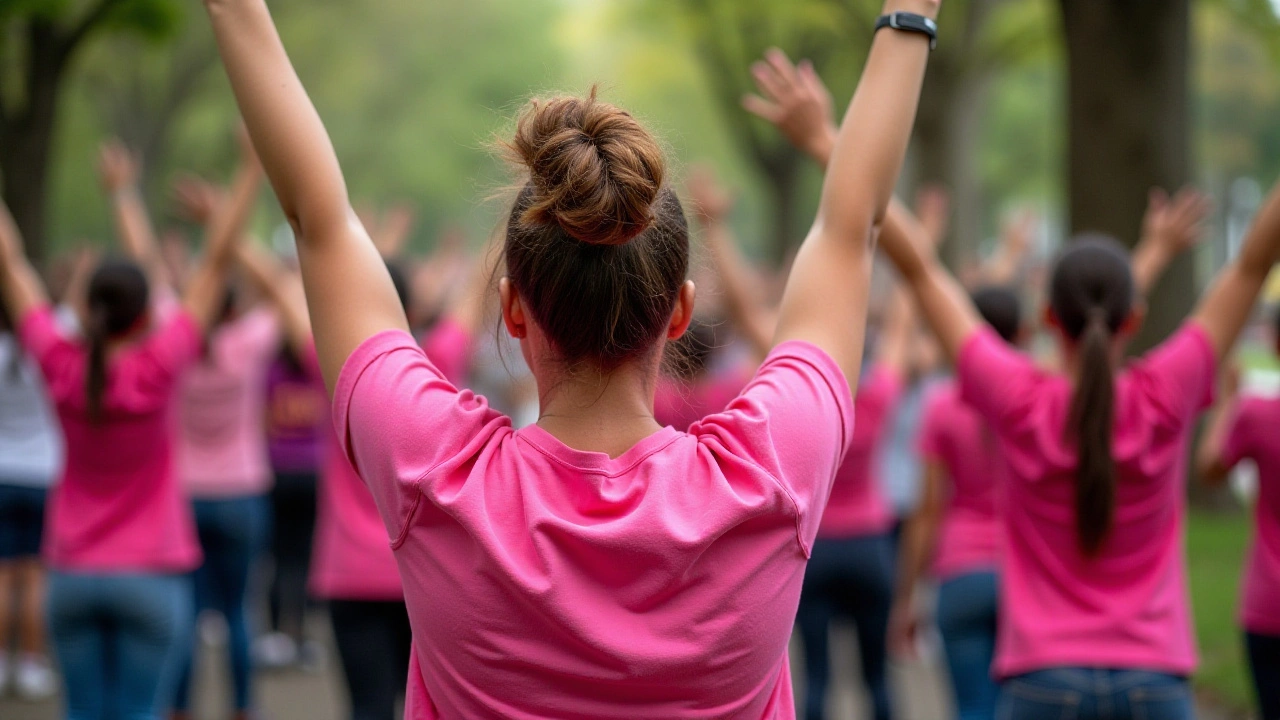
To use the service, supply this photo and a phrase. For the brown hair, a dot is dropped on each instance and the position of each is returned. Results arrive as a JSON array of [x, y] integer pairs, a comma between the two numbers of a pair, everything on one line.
[[596, 246], [117, 298], [1091, 296]]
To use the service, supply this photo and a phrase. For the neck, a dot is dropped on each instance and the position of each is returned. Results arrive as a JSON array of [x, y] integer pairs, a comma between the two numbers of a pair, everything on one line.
[[1071, 357], [600, 412]]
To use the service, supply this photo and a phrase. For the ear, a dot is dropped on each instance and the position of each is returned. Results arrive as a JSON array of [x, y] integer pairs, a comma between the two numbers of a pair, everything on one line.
[[1133, 323], [682, 315], [512, 310]]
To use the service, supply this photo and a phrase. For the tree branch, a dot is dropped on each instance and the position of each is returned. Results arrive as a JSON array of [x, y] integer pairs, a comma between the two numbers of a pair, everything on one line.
[[68, 43]]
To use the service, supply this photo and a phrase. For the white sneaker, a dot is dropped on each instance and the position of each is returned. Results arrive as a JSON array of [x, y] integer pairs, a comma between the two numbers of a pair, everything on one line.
[[35, 679], [275, 651]]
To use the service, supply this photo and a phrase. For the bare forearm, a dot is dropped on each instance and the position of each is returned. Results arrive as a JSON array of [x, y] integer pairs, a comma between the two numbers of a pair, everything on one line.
[[872, 142], [1209, 462], [1149, 263], [744, 306], [133, 224], [286, 130]]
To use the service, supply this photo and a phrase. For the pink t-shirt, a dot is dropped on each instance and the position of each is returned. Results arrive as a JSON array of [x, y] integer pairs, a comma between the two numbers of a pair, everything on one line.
[[1128, 606], [222, 446], [956, 437], [352, 556], [1255, 434], [118, 506], [680, 404], [858, 507], [544, 581]]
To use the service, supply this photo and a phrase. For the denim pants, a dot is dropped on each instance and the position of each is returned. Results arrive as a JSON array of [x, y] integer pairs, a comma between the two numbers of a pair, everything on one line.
[[967, 622], [850, 578], [233, 533], [1264, 665], [120, 640], [1095, 694]]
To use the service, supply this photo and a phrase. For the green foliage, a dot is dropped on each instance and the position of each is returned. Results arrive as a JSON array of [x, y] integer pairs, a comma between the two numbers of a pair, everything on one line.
[[1215, 553]]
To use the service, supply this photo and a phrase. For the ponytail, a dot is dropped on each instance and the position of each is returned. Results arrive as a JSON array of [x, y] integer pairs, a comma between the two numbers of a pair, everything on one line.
[[1091, 419], [96, 376]]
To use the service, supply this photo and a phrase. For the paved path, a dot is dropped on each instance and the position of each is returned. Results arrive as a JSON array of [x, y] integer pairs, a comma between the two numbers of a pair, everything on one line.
[[298, 696]]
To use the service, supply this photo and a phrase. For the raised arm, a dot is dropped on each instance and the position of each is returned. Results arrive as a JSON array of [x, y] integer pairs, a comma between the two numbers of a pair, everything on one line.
[[282, 289], [118, 169], [794, 99], [746, 308], [1015, 240], [1170, 228], [825, 301], [20, 285], [204, 292], [349, 291], [938, 295], [1225, 308], [1211, 464]]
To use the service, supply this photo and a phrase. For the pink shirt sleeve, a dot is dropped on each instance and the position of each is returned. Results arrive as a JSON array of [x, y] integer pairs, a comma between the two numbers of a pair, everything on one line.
[[1178, 375], [402, 423], [794, 420], [171, 347], [44, 342], [1242, 435], [997, 380]]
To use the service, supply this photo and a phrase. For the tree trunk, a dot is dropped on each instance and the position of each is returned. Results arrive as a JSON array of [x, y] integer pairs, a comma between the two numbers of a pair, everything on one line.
[[1128, 121], [782, 172], [944, 151], [27, 138]]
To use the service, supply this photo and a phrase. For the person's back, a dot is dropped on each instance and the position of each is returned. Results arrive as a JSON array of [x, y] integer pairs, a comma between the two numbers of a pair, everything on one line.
[[955, 435], [117, 505], [658, 582], [1126, 605], [596, 564]]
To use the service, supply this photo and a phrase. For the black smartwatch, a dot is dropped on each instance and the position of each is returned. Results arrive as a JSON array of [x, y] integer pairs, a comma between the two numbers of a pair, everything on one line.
[[910, 22]]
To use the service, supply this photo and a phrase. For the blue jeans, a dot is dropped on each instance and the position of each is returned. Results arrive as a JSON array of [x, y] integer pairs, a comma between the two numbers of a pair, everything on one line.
[[119, 640], [851, 578], [233, 534], [967, 622], [1095, 694], [1264, 666]]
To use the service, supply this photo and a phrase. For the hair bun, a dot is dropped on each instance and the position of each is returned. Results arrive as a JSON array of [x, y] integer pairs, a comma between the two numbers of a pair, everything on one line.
[[593, 170]]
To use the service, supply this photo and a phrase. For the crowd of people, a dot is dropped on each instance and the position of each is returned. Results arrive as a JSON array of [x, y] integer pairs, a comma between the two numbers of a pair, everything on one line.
[[635, 521]]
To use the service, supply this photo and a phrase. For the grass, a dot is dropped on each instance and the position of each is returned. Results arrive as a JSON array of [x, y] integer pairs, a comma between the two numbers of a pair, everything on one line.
[[1215, 549]]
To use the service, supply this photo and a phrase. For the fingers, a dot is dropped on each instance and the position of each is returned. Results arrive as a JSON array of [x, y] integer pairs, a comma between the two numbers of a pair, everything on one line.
[[762, 108], [769, 82], [782, 66]]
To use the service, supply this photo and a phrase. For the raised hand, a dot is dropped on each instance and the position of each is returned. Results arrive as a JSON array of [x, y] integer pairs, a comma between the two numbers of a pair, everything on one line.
[[117, 166], [1176, 223], [1171, 227], [711, 201], [933, 207], [198, 199], [794, 98]]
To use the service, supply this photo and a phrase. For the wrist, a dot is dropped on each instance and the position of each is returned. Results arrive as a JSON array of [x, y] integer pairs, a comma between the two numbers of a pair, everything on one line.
[[822, 145], [927, 8]]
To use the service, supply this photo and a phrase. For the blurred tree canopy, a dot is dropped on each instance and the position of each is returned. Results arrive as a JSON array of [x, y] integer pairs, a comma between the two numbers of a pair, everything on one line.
[[414, 92]]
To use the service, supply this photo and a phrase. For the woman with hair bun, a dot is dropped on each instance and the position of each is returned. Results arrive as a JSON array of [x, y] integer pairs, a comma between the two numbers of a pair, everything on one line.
[[595, 564]]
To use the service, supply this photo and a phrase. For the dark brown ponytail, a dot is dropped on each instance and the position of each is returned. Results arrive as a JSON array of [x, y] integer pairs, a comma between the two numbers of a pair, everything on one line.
[[1091, 297], [96, 373], [1091, 419], [117, 300]]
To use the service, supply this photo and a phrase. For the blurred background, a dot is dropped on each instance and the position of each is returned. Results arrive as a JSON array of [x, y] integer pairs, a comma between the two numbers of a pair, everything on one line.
[[1072, 108]]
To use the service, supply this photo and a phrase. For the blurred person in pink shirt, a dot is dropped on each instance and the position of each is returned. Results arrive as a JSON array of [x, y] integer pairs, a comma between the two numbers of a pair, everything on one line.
[[1094, 609], [1248, 428], [120, 540]]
